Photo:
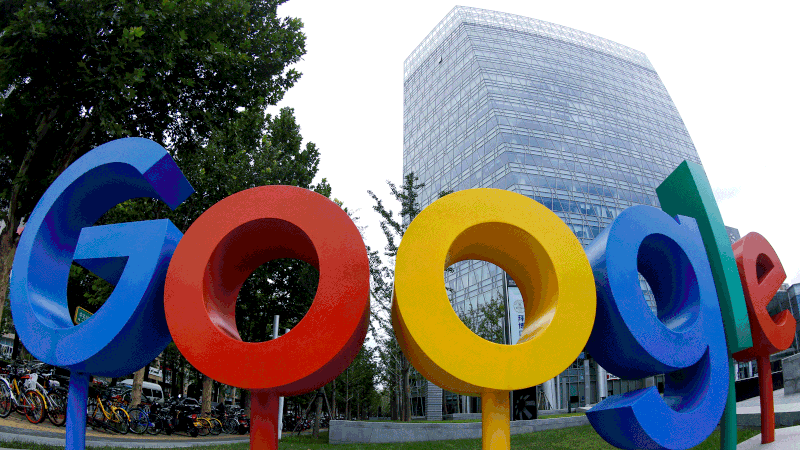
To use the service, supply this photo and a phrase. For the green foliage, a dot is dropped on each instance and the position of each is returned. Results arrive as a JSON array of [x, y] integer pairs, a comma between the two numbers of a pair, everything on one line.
[[79, 73], [75, 74], [394, 365], [487, 319], [356, 387]]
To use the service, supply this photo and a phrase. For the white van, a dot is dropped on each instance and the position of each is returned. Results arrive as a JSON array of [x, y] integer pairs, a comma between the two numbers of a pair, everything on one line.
[[150, 390]]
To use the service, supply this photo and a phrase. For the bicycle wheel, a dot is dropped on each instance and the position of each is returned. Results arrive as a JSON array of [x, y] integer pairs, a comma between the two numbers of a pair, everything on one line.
[[230, 426], [216, 426], [155, 426], [6, 401], [121, 421], [34, 406], [139, 420], [203, 427], [57, 409], [90, 409], [95, 413]]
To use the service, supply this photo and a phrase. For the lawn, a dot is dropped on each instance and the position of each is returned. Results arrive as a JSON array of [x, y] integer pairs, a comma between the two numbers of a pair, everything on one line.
[[583, 438], [543, 416]]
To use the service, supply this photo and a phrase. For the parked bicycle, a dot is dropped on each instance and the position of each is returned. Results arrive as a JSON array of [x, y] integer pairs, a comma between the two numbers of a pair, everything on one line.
[[228, 419], [104, 412], [25, 399], [54, 395]]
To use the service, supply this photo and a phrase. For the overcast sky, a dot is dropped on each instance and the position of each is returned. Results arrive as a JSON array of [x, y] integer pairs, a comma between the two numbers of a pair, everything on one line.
[[730, 67]]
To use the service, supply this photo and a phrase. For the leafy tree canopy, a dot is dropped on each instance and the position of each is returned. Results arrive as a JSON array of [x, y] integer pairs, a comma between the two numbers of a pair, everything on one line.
[[75, 74], [78, 73]]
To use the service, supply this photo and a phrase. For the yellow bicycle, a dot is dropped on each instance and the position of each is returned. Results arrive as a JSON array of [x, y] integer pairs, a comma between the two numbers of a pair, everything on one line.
[[103, 413], [212, 424]]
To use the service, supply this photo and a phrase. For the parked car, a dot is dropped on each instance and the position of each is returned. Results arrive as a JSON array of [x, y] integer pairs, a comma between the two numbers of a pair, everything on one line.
[[150, 390]]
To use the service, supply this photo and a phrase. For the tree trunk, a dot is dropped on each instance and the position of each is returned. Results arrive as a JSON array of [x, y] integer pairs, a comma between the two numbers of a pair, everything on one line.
[[8, 247], [136, 389], [406, 390], [17, 349], [246, 401], [9, 239], [318, 415], [179, 372], [347, 395], [334, 414], [208, 385], [393, 403]]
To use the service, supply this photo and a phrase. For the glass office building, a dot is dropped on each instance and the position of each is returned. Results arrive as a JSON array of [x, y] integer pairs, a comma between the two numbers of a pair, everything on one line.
[[579, 123]]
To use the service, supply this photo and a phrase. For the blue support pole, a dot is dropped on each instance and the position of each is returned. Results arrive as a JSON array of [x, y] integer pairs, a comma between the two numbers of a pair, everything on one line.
[[76, 410]]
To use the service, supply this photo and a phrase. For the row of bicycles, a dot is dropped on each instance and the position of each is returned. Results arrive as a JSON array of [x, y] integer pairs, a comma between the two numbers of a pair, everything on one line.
[[110, 409], [184, 415], [22, 389], [296, 422], [37, 392]]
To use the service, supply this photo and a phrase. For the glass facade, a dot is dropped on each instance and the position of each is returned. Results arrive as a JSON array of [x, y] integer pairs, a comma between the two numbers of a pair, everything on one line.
[[794, 307], [581, 124]]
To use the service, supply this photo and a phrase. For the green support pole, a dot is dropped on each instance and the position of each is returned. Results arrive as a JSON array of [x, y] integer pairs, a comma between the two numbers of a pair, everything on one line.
[[727, 425]]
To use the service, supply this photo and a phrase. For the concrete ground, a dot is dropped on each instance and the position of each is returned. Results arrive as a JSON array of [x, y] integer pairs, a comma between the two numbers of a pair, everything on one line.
[[782, 402], [16, 428], [785, 438]]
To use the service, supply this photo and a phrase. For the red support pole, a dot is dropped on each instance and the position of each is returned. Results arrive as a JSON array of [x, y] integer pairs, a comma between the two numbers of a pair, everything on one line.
[[767, 404], [264, 420]]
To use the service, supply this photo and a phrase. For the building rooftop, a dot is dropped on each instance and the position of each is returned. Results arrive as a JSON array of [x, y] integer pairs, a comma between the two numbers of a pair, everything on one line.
[[464, 14]]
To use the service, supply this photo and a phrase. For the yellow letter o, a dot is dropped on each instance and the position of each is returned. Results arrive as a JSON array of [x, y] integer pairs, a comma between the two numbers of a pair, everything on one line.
[[541, 254]]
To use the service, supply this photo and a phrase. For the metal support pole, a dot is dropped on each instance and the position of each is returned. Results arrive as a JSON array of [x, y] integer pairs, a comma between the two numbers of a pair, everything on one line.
[[275, 321], [558, 391], [587, 383], [77, 398], [602, 383], [496, 426]]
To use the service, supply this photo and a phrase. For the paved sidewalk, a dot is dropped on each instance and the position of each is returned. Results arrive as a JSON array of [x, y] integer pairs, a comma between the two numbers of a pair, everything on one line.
[[785, 439], [40, 436], [783, 403], [786, 407], [787, 410]]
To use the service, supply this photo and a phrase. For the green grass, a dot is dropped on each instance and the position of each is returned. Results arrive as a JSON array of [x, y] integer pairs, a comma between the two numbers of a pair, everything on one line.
[[576, 438], [553, 416], [549, 416]]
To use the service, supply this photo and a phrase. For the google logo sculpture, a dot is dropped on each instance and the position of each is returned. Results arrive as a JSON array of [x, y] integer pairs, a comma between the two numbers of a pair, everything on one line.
[[184, 288]]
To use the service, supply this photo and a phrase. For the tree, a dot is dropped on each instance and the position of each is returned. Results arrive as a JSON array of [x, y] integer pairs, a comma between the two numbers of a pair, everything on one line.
[[395, 363], [75, 74], [487, 319], [356, 386]]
